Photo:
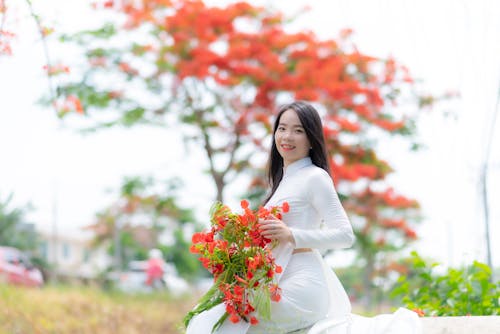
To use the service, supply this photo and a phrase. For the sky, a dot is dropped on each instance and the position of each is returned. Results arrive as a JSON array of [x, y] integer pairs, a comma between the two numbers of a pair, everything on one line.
[[450, 45]]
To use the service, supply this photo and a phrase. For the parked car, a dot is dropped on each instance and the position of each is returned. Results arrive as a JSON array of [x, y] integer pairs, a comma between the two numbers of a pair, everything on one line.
[[16, 268]]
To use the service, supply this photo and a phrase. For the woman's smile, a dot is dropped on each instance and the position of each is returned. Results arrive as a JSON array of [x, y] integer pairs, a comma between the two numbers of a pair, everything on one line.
[[287, 147]]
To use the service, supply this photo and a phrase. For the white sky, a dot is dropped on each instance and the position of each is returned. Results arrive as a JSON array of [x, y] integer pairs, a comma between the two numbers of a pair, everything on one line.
[[449, 44]]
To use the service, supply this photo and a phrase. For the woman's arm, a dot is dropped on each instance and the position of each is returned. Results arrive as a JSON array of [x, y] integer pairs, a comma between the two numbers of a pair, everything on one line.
[[336, 231]]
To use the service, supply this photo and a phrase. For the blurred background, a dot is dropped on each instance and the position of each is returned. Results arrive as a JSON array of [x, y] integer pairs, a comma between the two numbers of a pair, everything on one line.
[[121, 122]]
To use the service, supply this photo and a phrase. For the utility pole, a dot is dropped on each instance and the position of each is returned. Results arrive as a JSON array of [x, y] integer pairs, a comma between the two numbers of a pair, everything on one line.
[[484, 181], [486, 211], [55, 232], [117, 257]]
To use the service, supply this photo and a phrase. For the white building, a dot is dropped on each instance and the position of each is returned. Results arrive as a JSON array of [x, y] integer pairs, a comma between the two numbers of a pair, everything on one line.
[[73, 256]]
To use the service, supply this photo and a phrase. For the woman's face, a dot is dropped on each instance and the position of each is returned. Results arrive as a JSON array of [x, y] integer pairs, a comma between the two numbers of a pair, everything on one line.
[[291, 138]]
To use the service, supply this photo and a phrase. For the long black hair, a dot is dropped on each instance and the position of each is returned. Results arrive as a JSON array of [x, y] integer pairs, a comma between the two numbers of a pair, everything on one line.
[[311, 122]]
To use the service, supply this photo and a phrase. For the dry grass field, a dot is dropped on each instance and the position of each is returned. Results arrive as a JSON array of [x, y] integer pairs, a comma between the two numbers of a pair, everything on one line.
[[75, 310]]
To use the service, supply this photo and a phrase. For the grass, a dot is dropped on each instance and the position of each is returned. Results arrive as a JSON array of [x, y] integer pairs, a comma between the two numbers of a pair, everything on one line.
[[85, 310], [82, 310]]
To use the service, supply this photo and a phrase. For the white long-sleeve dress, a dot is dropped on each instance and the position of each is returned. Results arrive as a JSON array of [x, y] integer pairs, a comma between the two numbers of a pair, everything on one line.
[[312, 298]]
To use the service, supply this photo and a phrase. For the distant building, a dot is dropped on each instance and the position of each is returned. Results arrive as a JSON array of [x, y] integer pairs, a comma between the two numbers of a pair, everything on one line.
[[73, 257]]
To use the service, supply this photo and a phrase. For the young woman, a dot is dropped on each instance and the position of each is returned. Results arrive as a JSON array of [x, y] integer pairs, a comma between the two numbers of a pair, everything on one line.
[[312, 298]]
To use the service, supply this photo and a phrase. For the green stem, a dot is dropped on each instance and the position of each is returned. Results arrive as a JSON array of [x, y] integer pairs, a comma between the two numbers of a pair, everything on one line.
[[220, 322], [210, 299]]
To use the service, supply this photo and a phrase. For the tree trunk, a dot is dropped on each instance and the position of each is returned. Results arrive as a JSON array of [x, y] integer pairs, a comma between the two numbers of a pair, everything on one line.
[[219, 184], [367, 282]]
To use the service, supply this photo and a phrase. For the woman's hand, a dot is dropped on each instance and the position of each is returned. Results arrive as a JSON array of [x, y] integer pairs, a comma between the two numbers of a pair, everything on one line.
[[274, 229]]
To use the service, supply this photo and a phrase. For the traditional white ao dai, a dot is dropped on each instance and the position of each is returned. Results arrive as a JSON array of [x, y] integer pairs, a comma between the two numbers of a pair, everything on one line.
[[312, 298]]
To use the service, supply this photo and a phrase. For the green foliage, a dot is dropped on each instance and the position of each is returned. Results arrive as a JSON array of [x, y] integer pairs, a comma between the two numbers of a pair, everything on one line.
[[15, 232], [352, 280], [105, 32], [187, 264], [130, 249], [13, 229], [132, 185], [457, 292]]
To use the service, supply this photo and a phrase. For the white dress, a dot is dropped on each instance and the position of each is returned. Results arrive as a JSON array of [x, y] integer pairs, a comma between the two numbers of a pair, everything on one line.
[[312, 298]]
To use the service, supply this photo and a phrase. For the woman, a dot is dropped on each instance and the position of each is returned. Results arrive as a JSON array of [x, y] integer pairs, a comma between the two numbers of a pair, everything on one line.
[[311, 294]]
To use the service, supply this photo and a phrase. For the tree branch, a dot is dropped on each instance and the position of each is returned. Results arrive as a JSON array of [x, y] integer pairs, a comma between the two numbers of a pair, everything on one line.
[[53, 93], [3, 9], [217, 176]]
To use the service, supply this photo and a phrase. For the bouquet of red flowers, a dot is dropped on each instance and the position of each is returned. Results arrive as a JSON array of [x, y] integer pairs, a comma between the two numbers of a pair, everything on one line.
[[240, 259]]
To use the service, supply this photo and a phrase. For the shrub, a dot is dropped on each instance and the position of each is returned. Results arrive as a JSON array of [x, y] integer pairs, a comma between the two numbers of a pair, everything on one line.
[[457, 292]]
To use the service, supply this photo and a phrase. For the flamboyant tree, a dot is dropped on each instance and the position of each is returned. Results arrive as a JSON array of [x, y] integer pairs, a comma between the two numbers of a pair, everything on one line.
[[218, 74]]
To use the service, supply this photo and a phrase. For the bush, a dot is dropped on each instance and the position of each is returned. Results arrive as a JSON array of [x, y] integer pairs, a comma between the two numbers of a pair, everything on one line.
[[457, 292]]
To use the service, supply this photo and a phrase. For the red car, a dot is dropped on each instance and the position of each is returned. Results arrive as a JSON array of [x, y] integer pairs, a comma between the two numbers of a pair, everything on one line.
[[15, 268]]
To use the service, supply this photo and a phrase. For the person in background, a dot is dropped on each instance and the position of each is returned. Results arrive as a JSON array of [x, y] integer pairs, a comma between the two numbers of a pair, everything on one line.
[[155, 269]]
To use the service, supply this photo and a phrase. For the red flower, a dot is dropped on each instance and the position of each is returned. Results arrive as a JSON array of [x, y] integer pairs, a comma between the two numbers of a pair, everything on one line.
[[197, 237], [234, 318], [286, 207], [275, 293], [205, 262], [238, 293], [243, 220], [230, 309], [244, 204], [240, 259], [241, 280], [419, 311], [221, 222], [218, 269], [270, 273], [263, 212]]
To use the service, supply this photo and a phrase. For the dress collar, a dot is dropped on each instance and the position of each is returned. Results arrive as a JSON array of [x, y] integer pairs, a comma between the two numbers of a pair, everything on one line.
[[296, 165]]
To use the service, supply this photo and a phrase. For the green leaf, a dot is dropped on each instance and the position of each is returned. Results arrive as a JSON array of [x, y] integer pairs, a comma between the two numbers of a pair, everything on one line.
[[105, 32], [262, 303], [133, 116], [211, 298], [220, 322]]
